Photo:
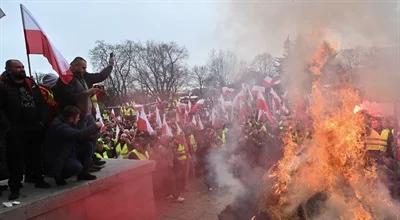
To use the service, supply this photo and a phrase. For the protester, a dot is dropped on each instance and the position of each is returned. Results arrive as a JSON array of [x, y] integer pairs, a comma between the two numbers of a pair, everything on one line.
[[61, 144], [22, 106], [78, 92]]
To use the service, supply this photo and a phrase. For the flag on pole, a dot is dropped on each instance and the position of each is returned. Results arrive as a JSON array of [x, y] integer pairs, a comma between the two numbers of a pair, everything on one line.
[[143, 123], [200, 123], [227, 91], [166, 130], [2, 14], [37, 42], [271, 81], [112, 114], [262, 105], [199, 105], [178, 129], [158, 119], [117, 130]]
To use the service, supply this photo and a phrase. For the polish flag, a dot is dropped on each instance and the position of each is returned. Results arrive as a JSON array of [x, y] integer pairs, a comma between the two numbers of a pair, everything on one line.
[[166, 130], [37, 42], [137, 107], [201, 127], [256, 89], [276, 101], [262, 105], [268, 81], [227, 91], [238, 98], [178, 129], [158, 119], [143, 123], [199, 105], [194, 122], [112, 113], [213, 118]]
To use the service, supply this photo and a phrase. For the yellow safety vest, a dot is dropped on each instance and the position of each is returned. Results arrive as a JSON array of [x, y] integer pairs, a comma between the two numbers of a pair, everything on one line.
[[141, 156], [106, 117], [101, 156], [122, 151], [223, 136], [193, 143], [376, 141], [181, 152]]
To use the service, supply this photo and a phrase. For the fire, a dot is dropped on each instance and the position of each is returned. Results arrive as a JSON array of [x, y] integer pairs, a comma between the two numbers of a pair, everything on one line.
[[320, 57], [331, 160]]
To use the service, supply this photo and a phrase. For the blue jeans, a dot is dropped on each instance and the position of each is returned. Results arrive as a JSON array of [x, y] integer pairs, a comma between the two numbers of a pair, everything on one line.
[[86, 148], [72, 166]]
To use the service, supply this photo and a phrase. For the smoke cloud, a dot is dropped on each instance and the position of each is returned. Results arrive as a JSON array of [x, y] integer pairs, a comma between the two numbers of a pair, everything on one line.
[[252, 27]]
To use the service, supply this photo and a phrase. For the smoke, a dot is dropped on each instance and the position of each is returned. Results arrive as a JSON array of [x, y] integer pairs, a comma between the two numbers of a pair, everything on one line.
[[319, 33], [237, 171], [252, 27]]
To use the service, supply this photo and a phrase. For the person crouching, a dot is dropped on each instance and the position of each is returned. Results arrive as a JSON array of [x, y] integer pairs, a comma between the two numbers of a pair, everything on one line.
[[61, 143]]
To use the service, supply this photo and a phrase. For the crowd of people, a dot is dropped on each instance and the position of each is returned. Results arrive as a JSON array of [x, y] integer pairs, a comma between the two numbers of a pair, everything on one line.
[[56, 129], [52, 129], [49, 129]]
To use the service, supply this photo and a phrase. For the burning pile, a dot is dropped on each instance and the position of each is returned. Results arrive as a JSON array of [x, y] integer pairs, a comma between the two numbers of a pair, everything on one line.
[[324, 172]]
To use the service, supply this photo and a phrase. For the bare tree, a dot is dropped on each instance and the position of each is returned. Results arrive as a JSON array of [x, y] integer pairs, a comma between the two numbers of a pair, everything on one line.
[[222, 67], [160, 68], [199, 76], [121, 79], [263, 64]]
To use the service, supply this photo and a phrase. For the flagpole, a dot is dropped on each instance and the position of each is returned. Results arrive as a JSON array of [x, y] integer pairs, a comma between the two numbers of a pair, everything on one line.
[[26, 43]]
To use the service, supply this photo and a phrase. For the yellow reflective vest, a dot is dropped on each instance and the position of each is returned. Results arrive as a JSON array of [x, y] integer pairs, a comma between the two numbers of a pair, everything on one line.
[[140, 155], [181, 152], [103, 155], [122, 151], [106, 116], [223, 135], [376, 141]]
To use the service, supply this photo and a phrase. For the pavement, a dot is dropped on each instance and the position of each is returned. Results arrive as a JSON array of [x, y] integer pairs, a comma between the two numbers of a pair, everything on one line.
[[199, 204]]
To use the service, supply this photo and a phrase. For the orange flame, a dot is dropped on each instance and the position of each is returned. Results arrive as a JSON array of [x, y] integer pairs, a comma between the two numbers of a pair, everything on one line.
[[332, 160]]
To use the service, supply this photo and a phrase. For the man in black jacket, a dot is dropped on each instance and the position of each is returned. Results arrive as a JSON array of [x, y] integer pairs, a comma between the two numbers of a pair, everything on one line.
[[62, 141], [79, 90], [22, 106], [78, 93]]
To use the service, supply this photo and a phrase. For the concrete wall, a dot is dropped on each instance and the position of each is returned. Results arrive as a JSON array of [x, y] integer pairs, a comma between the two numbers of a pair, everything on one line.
[[124, 190]]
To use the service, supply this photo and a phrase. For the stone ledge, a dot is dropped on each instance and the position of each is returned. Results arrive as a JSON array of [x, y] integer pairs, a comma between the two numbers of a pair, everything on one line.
[[118, 179]]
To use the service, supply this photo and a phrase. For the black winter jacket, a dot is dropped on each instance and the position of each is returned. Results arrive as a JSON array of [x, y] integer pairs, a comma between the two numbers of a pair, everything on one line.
[[75, 92], [10, 105]]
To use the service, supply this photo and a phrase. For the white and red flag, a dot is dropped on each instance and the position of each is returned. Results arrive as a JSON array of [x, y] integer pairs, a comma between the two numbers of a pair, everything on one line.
[[158, 119], [271, 81], [178, 129], [227, 91], [200, 124], [112, 113], [261, 104], [194, 122], [37, 42], [199, 105], [255, 89], [143, 123], [166, 130]]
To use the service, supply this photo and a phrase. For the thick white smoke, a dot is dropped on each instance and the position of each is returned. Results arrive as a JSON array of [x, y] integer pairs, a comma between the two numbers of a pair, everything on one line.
[[252, 27]]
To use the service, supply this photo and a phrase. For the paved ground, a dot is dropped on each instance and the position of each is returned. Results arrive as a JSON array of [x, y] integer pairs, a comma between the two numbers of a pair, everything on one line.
[[200, 204]]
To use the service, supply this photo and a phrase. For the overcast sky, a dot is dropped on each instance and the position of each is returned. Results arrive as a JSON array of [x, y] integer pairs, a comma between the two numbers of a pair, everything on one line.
[[74, 26], [245, 27]]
